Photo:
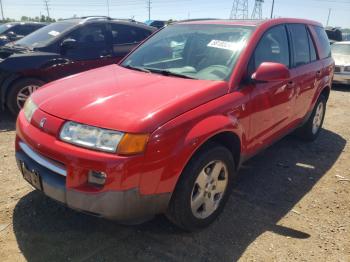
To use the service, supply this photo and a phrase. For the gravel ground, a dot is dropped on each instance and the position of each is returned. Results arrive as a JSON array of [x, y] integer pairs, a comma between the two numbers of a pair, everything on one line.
[[292, 203]]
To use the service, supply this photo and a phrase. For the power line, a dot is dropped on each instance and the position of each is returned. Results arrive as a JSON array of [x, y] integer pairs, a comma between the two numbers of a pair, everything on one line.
[[273, 5], [46, 2], [329, 15], [149, 9], [107, 7], [2, 11]]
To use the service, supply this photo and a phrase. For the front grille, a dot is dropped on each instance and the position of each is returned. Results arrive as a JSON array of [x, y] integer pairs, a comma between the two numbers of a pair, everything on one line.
[[43, 161]]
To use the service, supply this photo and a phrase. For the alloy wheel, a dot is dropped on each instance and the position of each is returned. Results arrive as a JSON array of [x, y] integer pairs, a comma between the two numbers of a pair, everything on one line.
[[24, 93], [209, 189], [317, 121]]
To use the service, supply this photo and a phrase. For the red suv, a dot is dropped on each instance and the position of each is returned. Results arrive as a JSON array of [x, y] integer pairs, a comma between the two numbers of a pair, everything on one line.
[[166, 130]]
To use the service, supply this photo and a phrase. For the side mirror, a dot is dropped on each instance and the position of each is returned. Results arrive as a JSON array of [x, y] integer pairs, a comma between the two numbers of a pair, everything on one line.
[[270, 72], [11, 34], [68, 43]]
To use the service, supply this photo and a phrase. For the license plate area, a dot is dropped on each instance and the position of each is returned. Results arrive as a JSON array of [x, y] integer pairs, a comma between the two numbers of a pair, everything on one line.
[[32, 176]]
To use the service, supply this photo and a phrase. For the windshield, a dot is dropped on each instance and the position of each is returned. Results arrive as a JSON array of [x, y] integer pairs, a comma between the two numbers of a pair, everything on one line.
[[341, 49], [45, 34], [203, 51], [5, 27]]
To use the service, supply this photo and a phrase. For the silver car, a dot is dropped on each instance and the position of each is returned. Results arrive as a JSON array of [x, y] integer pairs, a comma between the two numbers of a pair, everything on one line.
[[341, 55]]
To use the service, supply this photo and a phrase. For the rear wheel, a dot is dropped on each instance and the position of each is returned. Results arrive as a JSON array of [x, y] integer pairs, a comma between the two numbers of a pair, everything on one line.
[[311, 129], [203, 188], [20, 91]]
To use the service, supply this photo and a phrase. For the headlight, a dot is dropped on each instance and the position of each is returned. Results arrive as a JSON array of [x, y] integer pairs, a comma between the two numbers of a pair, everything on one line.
[[90, 137], [29, 109], [103, 139]]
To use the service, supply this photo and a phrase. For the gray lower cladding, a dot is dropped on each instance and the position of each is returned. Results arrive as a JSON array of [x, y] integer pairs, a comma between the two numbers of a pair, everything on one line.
[[126, 205]]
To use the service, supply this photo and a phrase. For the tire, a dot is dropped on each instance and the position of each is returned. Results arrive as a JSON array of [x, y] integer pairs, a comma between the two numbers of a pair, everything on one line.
[[182, 210], [310, 130], [21, 89]]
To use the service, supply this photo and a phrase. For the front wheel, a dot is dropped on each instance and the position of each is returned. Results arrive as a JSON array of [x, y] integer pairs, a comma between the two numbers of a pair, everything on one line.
[[20, 91], [311, 129], [203, 188]]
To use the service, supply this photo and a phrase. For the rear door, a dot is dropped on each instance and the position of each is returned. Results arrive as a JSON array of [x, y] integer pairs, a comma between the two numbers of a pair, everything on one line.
[[307, 66], [272, 103], [125, 38]]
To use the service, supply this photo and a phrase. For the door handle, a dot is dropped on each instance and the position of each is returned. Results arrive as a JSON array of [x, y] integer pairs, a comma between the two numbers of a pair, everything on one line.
[[290, 84]]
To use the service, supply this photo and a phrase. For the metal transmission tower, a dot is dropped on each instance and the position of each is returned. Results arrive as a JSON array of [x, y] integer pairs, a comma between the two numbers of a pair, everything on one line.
[[239, 9], [257, 11]]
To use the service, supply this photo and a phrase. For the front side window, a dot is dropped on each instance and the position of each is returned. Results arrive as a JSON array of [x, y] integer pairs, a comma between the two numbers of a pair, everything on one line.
[[300, 42], [192, 50], [273, 47], [91, 42]]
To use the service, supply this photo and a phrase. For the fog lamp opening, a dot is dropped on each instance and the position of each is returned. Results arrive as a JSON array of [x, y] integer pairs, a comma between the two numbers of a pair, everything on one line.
[[97, 178]]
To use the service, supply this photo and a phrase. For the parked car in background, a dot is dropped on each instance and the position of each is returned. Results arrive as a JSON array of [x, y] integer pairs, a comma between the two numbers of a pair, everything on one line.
[[341, 55], [167, 129], [156, 23], [334, 35], [63, 48], [14, 31]]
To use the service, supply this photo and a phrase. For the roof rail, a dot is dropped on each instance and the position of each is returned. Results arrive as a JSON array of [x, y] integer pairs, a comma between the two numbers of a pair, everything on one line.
[[95, 17], [198, 19]]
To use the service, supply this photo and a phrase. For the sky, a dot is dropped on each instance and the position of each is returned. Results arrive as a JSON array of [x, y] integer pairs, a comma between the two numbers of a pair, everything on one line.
[[180, 9]]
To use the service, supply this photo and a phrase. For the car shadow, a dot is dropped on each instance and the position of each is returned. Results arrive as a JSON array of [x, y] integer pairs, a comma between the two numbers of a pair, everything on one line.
[[7, 121], [341, 87], [270, 185]]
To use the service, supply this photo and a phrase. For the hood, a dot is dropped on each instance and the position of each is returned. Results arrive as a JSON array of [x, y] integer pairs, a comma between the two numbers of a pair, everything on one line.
[[341, 60], [121, 99]]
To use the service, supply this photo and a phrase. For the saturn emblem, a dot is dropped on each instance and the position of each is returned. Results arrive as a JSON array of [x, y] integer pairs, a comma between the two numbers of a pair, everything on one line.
[[42, 122]]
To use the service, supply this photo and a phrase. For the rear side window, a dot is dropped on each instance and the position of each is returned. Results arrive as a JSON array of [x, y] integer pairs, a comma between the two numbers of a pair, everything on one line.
[[300, 40], [123, 34], [325, 47], [312, 48], [273, 47]]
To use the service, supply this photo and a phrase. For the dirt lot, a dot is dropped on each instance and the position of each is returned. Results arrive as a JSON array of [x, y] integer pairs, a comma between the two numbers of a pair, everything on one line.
[[292, 204]]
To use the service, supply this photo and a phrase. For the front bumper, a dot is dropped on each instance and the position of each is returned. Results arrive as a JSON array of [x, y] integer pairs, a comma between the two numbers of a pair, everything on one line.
[[341, 78], [128, 205]]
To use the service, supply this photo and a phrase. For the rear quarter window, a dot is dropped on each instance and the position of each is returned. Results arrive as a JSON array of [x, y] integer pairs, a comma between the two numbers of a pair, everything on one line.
[[325, 48]]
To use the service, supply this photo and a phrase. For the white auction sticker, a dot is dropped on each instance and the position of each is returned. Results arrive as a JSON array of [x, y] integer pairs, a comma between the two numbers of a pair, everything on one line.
[[223, 45], [54, 33]]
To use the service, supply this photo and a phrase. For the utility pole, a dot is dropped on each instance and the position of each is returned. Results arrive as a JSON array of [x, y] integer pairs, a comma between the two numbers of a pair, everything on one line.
[[239, 9], [273, 6], [107, 8], [257, 11], [149, 9], [2, 11], [47, 7], [329, 15]]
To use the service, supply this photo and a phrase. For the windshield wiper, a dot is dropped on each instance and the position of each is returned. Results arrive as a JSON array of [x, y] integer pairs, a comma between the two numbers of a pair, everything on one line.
[[137, 68], [169, 73]]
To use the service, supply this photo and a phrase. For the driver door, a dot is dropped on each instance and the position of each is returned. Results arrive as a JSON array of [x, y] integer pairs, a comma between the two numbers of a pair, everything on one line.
[[93, 49], [271, 102]]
